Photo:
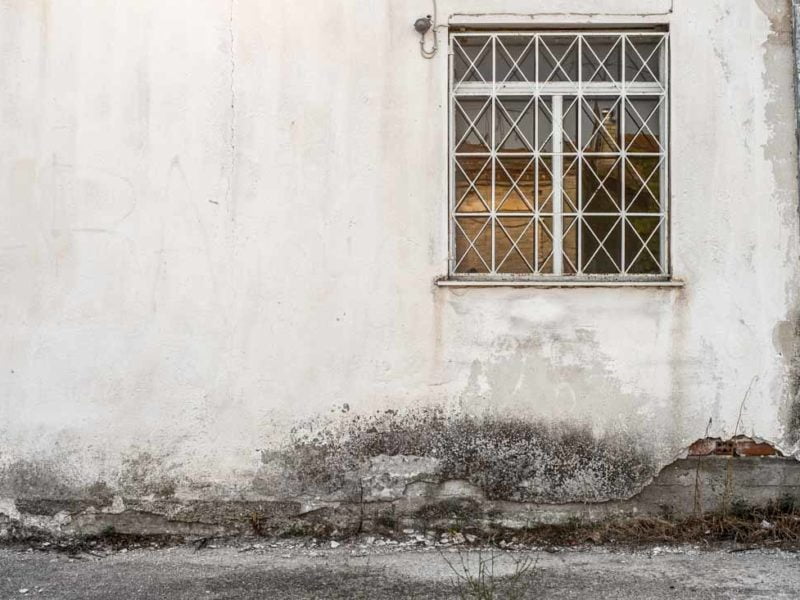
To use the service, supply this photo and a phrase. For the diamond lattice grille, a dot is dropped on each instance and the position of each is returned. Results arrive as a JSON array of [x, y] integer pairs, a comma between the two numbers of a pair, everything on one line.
[[559, 154]]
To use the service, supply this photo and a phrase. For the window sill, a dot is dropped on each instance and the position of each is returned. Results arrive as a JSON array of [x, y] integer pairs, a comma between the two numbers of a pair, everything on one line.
[[476, 283]]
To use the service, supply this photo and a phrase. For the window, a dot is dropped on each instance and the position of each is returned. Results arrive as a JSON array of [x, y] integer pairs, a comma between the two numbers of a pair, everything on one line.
[[558, 145]]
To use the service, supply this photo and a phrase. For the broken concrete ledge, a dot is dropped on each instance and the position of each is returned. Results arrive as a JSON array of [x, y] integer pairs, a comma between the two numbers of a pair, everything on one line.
[[687, 486]]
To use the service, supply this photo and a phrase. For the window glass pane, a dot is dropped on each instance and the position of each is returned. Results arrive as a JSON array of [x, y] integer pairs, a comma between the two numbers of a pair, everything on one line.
[[569, 184], [472, 58], [643, 184], [515, 120], [544, 192], [642, 245], [473, 244], [558, 58], [600, 124], [514, 184], [544, 245], [643, 58], [570, 245], [473, 120], [514, 237], [601, 58], [602, 244], [602, 184], [643, 124], [473, 178], [544, 124], [569, 124], [516, 58]]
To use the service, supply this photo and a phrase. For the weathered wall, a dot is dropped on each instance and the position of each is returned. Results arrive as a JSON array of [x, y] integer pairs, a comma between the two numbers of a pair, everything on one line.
[[222, 220]]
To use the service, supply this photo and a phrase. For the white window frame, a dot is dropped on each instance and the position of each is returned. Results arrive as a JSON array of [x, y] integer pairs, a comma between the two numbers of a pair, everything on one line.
[[556, 91]]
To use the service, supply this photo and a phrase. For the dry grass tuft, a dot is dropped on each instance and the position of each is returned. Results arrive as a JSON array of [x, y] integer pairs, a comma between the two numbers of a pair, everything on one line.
[[480, 582], [776, 524]]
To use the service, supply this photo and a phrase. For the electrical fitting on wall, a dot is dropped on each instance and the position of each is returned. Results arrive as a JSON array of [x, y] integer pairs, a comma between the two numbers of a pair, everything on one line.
[[422, 26]]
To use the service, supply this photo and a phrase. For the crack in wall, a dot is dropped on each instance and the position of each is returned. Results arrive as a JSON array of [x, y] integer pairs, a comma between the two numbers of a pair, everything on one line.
[[232, 133]]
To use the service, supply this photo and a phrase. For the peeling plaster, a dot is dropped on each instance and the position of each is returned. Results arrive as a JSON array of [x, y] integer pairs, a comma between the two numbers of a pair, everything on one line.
[[779, 59]]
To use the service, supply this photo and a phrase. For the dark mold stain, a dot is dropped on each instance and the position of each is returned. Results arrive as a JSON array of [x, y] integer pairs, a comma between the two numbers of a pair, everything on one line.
[[228, 513], [41, 488], [456, 513], [509, 459], [34, 478], [143, 475], [50, 507], [793, 433]]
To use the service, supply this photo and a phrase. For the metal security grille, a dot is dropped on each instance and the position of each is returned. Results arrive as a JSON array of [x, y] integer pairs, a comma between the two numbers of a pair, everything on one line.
[[558, 148]]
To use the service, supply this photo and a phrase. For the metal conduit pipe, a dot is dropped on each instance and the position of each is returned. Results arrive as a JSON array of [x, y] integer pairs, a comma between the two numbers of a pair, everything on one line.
[[796, 44]]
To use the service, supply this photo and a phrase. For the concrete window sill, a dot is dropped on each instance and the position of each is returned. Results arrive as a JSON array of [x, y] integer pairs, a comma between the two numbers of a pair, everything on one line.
[[473, 283]]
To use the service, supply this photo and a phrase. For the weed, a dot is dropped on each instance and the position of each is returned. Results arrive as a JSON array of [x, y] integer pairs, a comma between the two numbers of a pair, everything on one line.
[[741, 509], [386, 520], [257, 524], [299, 529], [484, 583], [785, 505]]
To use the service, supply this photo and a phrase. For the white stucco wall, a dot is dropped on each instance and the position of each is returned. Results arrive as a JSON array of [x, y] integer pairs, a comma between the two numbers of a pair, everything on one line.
[[220, 218]]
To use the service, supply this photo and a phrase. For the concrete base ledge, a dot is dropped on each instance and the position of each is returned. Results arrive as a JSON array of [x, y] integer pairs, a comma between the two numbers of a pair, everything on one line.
[[685, 487]]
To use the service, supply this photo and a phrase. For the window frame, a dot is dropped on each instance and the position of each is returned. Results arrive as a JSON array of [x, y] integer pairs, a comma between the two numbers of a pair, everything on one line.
[[495, 90]]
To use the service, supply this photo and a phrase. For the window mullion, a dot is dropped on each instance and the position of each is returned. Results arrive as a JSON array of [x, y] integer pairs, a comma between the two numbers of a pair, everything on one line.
[[493, 152], [664, 157], [578, 223], [451, 130], [538, 231], [558, 183], [623, 148]]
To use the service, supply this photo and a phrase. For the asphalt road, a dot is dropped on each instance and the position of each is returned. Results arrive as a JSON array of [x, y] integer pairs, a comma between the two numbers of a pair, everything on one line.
[[352, 571]]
